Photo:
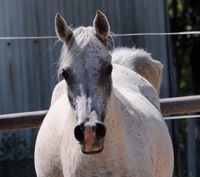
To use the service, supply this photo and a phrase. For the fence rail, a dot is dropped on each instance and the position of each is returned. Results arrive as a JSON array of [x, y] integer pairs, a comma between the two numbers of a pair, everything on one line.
[[169, 106], [16, 121], [114, 35], [180, 105]]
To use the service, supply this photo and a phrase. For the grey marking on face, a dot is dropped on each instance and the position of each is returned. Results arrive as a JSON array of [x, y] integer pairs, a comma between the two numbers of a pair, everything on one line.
[[89, 82]]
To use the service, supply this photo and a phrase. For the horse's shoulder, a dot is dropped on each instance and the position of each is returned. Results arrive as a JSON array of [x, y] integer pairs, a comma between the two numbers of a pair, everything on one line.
[[59, 90], [127, 81]]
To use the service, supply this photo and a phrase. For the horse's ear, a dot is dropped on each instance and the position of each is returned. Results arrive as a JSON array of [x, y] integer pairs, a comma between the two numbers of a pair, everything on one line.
[[101, 25], [63, 31]]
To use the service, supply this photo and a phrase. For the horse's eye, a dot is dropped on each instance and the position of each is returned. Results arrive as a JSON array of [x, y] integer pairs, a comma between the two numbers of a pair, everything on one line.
[[108, 70], [65, 73]]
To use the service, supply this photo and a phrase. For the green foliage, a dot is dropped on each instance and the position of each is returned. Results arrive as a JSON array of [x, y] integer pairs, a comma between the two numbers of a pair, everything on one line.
[[184, 16]]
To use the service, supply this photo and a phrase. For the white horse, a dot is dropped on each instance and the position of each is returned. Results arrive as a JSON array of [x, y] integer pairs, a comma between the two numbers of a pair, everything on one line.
[[104, 119]]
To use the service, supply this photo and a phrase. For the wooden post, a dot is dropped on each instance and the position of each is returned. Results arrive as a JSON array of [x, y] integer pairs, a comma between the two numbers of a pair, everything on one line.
[[191, 148]]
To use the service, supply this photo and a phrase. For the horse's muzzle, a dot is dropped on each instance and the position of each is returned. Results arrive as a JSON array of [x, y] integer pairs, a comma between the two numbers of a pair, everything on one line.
[[91, 137]]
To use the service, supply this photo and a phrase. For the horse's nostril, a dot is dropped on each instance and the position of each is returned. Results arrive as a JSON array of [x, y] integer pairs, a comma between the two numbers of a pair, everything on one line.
[[78, 132], [100, 130]]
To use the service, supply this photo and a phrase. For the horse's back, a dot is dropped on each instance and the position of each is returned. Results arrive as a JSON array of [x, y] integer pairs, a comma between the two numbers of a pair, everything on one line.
[[141, 62], [59, 90]]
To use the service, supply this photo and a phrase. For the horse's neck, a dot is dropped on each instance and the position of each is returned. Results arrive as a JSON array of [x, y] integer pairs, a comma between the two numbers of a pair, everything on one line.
[[116, 140], [114, 121], [113, 114]]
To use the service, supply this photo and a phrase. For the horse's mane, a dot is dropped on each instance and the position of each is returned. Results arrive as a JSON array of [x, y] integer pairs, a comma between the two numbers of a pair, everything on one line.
[[141, 62]]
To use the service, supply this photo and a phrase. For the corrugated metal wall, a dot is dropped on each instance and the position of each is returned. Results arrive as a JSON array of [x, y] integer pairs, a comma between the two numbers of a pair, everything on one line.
[[28, 67]]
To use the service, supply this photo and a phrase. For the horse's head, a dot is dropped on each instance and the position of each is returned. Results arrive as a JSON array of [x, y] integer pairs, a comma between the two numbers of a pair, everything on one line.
[[85, 64]]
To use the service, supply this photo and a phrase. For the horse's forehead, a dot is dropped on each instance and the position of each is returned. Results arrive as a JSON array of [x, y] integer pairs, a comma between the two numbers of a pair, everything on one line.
[[92, 56], [96, 50]]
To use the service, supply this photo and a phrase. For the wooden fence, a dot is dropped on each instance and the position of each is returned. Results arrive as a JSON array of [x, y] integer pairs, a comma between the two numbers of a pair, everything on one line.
[[169, 106]]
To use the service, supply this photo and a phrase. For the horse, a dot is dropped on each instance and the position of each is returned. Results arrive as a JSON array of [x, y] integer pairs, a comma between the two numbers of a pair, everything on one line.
[[104, 119]]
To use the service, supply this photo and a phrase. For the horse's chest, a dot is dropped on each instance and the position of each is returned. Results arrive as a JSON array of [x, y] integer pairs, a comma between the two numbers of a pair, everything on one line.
[[103, 170], [107, 167]]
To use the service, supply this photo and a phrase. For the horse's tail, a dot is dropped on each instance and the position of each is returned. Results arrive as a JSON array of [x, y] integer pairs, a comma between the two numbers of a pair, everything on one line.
[[141, 62]]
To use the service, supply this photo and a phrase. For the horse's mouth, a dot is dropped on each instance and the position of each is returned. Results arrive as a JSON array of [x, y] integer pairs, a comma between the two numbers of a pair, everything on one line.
[[91, 143], [94, 148]]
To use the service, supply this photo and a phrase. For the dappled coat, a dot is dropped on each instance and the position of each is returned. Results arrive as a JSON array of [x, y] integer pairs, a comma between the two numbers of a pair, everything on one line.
[[104, 119]]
